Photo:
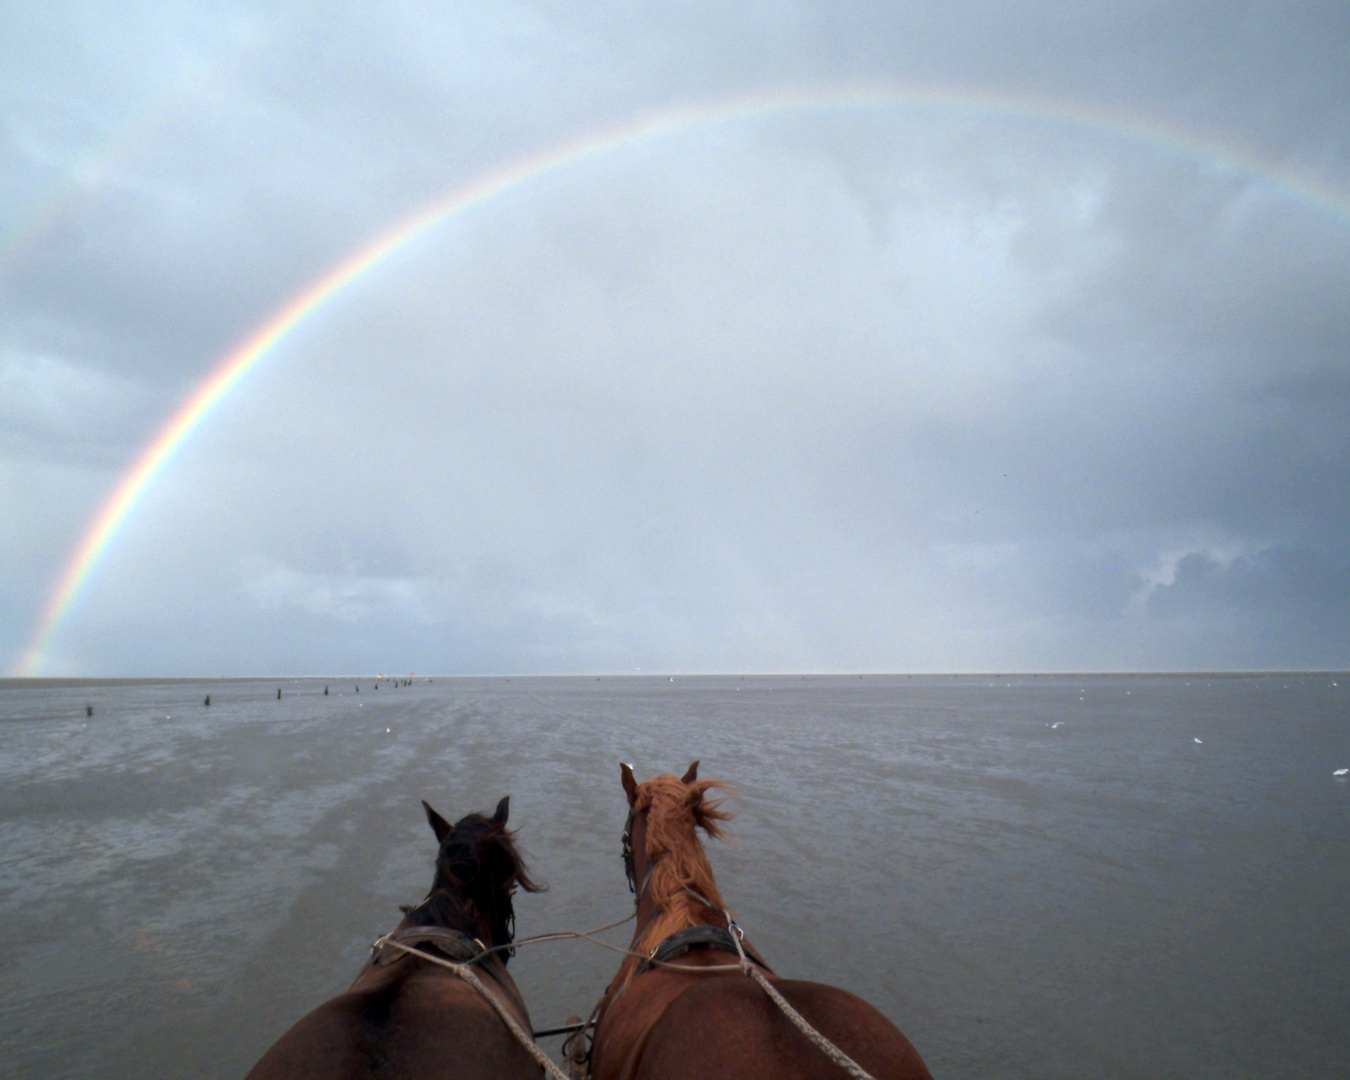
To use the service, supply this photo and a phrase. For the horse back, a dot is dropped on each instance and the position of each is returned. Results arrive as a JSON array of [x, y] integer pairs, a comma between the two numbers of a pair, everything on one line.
[[726, 1026], [429, 1024]]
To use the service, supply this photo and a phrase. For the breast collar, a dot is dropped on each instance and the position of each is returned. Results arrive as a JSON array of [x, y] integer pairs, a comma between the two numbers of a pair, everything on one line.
[[452, 944], [706, 936]]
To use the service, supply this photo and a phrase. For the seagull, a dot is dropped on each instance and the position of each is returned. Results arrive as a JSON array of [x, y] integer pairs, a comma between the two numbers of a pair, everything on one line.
[[1197, 740], [1340, 772]]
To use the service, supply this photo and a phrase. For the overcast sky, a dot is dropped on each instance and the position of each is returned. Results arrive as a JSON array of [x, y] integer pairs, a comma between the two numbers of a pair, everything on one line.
[[908, 388]]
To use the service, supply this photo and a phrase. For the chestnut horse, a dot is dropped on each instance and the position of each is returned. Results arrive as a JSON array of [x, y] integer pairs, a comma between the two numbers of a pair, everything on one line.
[[669, 1022], [407, 1017]]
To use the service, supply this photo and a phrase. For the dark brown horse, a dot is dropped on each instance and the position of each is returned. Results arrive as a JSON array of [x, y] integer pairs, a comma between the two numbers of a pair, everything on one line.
[[670, 1022], [407, 1017]]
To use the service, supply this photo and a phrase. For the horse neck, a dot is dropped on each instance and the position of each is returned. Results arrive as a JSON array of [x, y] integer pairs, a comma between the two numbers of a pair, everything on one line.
[[647, 910], [672, 893], [449, 907]]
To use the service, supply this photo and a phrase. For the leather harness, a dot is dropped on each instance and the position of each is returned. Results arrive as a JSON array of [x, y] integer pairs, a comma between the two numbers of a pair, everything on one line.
[[696, 937], [453, 945]]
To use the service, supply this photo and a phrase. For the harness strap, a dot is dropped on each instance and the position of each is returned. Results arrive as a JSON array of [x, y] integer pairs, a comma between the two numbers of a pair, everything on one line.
[[465, 971], [696, 937], [797, 1019], [452, 944]]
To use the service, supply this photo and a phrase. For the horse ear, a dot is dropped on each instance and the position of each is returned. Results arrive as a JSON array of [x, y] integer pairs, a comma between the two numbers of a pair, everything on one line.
[[438, 824], [503, 810], [629, 784], [691, 774]]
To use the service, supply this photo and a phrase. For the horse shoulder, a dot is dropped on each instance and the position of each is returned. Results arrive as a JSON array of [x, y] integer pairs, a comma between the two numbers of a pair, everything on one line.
[[728, 1027], [331, 1042], [442, 1016], [415, 1026], [631, 1015]]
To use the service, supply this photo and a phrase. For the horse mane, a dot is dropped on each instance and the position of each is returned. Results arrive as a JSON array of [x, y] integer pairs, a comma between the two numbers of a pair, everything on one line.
[[478, 869], [679, 869]]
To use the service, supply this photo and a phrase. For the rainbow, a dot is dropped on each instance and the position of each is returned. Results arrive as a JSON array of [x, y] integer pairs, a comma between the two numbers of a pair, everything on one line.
[[303, 308]]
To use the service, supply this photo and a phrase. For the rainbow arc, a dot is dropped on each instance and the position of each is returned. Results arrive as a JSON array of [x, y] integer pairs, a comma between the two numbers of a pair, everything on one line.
[[310, 302]]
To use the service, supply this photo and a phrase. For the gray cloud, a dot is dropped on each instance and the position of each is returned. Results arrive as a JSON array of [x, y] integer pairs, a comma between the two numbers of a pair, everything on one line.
[[1271, 608], [906, 388]]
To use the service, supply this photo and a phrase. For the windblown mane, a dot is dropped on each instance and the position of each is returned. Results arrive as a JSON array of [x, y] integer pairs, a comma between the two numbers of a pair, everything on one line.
[[478, 869], [679, 868]]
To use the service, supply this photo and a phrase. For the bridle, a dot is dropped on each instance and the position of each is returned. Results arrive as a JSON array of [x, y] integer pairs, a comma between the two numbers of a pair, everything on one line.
[[627, 853]]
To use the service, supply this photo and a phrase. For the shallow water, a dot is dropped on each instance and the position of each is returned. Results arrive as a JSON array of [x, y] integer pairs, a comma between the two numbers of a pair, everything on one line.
[[1108, 897]]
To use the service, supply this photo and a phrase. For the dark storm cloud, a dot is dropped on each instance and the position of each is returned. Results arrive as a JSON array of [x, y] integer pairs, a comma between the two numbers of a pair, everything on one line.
[[898, 389], [1272, 608]]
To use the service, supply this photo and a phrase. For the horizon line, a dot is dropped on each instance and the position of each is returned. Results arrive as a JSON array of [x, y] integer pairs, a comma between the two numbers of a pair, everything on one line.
[[674, 674]]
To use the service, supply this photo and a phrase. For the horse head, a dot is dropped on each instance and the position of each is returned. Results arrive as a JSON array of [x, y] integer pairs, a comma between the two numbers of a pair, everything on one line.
[[667, 868], [478, 870]]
